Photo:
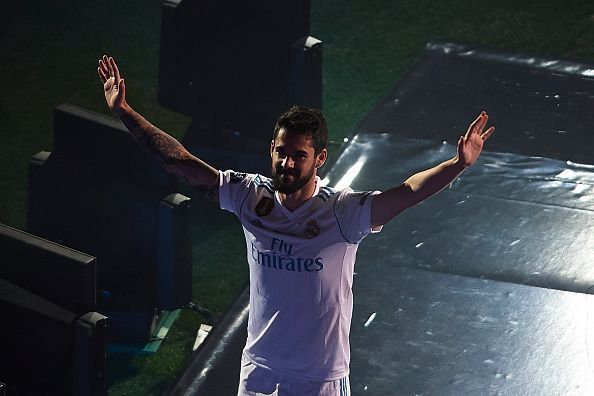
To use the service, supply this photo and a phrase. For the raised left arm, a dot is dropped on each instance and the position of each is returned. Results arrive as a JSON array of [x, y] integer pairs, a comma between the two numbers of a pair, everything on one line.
[[422, 185]]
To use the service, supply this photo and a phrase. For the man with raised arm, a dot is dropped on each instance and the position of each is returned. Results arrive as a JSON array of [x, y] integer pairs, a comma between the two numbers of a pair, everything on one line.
[[301, 240]]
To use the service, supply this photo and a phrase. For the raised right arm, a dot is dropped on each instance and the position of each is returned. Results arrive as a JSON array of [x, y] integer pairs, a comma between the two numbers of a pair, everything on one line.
[[165, 149]]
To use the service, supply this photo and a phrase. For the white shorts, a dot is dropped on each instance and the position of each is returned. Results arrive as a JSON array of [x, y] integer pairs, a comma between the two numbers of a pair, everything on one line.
[[259, 381]]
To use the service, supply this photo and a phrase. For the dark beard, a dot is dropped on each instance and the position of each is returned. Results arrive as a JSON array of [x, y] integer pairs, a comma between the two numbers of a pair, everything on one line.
[[283, 185]]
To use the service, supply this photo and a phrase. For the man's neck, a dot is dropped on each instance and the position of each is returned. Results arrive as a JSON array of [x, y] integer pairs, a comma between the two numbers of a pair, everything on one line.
[[299, 197]]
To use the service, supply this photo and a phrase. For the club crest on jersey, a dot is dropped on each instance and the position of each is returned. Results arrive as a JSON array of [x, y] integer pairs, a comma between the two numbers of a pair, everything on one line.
[[312, 230], [264, 207]]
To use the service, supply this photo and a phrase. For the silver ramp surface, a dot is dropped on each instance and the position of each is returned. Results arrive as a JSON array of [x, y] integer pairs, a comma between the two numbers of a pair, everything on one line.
[[510, 217], [442, 334]]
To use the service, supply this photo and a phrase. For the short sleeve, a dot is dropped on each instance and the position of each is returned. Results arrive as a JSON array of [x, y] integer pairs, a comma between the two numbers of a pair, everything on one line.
[[233, 188], [353, 213]]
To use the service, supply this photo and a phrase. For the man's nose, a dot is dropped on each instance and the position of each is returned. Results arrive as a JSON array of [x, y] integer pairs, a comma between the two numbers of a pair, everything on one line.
[[287, 162]]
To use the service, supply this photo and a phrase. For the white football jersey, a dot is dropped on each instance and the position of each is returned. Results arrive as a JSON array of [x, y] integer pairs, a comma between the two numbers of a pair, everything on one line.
[[301, 273]]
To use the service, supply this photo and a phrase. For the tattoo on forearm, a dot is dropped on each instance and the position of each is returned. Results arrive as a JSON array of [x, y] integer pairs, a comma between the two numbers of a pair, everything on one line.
[[170, 154], [160, 146]]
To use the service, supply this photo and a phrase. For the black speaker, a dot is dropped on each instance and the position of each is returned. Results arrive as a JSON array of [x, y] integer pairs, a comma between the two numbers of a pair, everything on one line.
[[47, 349], [237, 65], [55, 272]]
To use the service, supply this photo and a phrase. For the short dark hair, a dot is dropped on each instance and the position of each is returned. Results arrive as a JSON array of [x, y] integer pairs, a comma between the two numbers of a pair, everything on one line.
[[304, 120]]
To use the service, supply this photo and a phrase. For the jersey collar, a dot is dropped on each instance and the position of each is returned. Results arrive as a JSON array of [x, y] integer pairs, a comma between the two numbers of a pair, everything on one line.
[[300, 209]]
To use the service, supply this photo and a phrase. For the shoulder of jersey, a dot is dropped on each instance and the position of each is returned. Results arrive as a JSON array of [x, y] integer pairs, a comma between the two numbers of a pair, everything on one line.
[[265, 183], [326, 193], [237, 177]]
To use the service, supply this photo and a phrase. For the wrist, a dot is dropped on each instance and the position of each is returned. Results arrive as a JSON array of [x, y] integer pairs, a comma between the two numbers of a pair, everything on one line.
[[458, 164], [122, 110]]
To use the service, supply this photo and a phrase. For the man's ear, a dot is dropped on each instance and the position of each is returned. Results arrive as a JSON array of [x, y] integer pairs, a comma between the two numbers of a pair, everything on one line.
[[271, 147], [321, 158]]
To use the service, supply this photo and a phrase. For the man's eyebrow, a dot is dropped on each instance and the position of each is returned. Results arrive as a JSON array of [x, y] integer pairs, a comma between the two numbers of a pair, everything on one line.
[[300, 152]]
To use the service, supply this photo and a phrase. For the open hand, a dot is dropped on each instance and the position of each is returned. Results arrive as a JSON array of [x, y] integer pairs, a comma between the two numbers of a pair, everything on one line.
[[471, 144], [113, 85]]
